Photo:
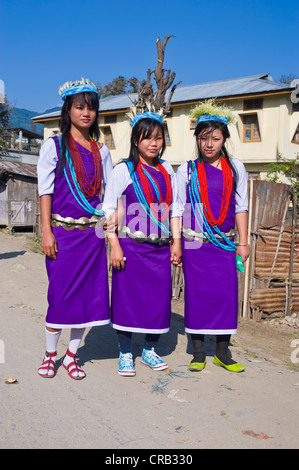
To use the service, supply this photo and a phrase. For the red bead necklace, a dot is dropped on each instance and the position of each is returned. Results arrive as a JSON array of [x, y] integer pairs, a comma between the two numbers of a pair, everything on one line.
[[151, 199], [226, 192], [88, 187]]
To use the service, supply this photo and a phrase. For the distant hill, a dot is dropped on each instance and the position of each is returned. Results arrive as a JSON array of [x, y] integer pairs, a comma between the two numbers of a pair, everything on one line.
[[51, 110], [22, 118]]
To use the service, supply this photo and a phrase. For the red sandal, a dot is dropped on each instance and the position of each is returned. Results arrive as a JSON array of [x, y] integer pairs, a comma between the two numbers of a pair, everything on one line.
[[73, 367], [48, 365]]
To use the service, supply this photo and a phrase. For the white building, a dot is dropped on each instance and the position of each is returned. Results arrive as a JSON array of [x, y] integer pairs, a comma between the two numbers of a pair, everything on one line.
[[267, 121]]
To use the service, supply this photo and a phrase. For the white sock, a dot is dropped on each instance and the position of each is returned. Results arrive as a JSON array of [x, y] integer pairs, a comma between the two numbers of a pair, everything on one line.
[[52, 338], [75, 340]]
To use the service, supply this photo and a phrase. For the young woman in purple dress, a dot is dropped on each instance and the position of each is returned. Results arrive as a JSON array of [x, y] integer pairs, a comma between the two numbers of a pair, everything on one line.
[[213, 196], [72, 172], [142, 252]]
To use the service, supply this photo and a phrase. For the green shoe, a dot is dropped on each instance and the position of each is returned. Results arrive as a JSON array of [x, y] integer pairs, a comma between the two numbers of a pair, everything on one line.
[[197, 366], [231, 368]]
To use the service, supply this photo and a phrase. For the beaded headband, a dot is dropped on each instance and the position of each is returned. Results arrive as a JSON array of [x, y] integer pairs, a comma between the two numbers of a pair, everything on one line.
[[209, 111], [208, 117], [73, 88], [150, 115]]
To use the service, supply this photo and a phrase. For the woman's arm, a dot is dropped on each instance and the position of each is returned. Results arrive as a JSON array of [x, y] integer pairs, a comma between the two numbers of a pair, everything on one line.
[[46, 181], [48, 243], [242, 209], [116, 253], [243, 248], [175, 247]]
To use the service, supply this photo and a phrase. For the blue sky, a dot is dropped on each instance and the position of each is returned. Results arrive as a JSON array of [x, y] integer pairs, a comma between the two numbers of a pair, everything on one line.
[[45, 43]]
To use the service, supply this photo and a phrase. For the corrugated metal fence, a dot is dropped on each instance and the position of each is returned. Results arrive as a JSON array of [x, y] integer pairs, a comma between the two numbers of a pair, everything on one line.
[[271, 280], [270, 284]]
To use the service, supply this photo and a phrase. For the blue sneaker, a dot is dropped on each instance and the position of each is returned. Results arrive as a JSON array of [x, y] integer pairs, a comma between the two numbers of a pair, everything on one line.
[[125, 365], [150, 358]]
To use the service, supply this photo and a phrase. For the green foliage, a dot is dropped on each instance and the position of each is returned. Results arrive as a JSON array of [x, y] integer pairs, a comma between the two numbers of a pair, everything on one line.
[[285, 168], [118, 86], [5, 111]]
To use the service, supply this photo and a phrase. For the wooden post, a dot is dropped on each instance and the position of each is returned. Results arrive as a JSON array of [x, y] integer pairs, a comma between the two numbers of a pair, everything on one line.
[[247, 264], [20, 139], [290, 280], [279, 239]]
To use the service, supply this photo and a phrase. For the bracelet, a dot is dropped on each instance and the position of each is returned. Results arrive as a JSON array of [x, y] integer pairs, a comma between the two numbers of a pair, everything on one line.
[[242, 244]]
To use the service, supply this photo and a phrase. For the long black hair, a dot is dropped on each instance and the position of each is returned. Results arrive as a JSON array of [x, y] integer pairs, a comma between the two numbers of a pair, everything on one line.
[[145, 129], [207, 127], [92, 100]]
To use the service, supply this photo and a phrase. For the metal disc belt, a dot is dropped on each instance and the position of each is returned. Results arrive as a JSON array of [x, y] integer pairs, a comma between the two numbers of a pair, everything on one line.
[[140, 237], [191, 235], [83, 223]]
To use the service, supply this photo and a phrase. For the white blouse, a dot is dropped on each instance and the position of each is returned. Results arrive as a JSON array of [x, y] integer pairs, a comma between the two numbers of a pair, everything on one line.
[[241, 196], [47, 162], [120, 180]]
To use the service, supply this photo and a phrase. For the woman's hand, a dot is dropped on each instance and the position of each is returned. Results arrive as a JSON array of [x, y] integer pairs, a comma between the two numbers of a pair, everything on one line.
[[49, 245], [176, 253], [244, 252], [176, 247], [117, 257], [114, 221]]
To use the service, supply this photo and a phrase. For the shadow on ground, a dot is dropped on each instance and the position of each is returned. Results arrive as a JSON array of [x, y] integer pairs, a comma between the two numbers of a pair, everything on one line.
[[101, 342]]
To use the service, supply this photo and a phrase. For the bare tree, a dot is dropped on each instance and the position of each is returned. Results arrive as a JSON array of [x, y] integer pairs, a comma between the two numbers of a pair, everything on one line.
[[148, 99], [287, 79]]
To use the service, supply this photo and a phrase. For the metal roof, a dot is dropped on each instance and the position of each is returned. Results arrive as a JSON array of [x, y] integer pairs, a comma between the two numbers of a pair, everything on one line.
[[262, 83], [48, 115], [24, 169], [26, 132]]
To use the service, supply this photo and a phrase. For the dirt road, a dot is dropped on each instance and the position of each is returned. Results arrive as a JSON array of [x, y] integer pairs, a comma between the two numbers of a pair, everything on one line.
[[169, 410]]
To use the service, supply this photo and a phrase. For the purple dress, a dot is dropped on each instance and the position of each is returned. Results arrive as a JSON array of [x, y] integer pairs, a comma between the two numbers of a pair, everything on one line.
[[211, 284], [78, 293], [141, 293]]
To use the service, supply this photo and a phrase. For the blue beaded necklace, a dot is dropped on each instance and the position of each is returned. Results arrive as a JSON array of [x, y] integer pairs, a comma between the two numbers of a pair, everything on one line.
[[194, 194], [142, 200], [78, 195]]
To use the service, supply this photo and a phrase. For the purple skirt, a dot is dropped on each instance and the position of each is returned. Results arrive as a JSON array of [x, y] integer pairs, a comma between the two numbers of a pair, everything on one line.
[[141, 293], [78, 293], [211, 289], [211, 282]]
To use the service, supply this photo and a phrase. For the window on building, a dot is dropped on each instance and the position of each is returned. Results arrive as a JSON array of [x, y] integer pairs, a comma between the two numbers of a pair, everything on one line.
[[255, 103], [295, 139], [251, 130], [167, 137], [108, 137], [253, 175], [110, 119]]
